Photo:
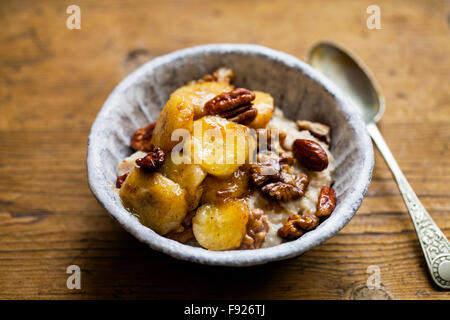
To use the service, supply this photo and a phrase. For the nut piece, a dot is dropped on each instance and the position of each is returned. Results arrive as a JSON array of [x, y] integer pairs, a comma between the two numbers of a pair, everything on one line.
[[266, 169], [317, 129], [290, 186], [310, 154], [279, 182], [153, 160], [141, 139], [327, 202], [296, 225], [234, 105], [257, 228], [121, 179]]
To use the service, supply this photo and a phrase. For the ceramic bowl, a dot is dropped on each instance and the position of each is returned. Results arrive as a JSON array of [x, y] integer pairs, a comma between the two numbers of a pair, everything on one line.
[[300, 91]]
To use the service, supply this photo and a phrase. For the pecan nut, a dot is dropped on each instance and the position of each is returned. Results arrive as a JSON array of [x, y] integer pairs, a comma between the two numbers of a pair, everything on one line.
[[141, 139], [327, 202], [317, 129], [297, 225], [266, 169], [235, 105], [153, 160], [257, 228], [120, 180], [290, 186], [310, 154], [279, 182]]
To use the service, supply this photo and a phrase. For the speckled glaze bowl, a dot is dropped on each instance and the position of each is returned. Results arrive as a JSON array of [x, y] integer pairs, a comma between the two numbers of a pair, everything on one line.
[[299, 90]]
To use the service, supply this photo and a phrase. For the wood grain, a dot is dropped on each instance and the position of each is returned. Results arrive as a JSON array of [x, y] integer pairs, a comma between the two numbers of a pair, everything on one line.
[[53, 82]]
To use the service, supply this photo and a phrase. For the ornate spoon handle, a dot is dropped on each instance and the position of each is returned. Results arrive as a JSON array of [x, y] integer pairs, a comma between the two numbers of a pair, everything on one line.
[[435, 245]]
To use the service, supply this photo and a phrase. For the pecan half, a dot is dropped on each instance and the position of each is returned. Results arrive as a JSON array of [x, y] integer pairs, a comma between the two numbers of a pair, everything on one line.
[[141, 139], [153, 160], [317, 129], [234, 105], [310, 154], [120, 180], [257, 228], [296, 225], [327, 202]]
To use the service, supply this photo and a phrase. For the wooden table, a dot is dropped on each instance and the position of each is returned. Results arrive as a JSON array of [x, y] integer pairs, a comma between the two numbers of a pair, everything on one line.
[[53, 82]]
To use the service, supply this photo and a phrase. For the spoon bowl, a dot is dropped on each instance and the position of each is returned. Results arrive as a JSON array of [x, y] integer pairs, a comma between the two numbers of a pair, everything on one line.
[[352, 76]]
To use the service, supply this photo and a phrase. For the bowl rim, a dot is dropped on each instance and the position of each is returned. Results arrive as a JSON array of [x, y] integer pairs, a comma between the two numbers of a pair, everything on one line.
[[234, 257]]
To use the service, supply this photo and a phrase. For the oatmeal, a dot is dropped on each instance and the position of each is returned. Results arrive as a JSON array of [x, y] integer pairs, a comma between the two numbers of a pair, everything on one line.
[[239, 176]]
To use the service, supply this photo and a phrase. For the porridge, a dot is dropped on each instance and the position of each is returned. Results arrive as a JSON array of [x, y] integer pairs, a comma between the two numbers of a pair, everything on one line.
[[222, 168]]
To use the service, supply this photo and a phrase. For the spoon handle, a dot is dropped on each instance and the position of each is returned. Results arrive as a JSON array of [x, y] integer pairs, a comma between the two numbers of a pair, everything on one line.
[[435, 245]]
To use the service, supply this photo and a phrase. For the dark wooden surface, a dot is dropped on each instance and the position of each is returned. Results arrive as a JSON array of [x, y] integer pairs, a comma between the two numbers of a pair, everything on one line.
[[53, 82]]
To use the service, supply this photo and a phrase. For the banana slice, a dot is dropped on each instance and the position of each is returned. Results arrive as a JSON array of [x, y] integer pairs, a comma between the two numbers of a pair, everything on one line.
[[159, 202], [221, 226], [218, 190], [264, 104], [189, 176], [176, 114], [220, 146]]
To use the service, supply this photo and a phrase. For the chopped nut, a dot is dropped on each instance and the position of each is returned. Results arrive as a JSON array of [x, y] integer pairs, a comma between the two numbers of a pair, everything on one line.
[[153, 160], [234, 105], [310, 154], [279, 182], [286, 158], [266, 169], [327, 202], [141, 139], [296, 225], [290, 231], [317, 129], [290, 186], [280, 190], [120, 180], [257, 228]]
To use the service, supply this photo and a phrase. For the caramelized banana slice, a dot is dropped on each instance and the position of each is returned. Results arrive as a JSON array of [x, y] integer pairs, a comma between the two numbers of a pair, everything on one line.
[[221, 226], [220, 146], [176, 114], [189, 176], [159, 202], [196, 94], [217, 189], [264, 104]]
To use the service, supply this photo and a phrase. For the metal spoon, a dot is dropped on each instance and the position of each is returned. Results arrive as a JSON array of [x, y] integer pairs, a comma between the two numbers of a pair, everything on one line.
[[356, 81]]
